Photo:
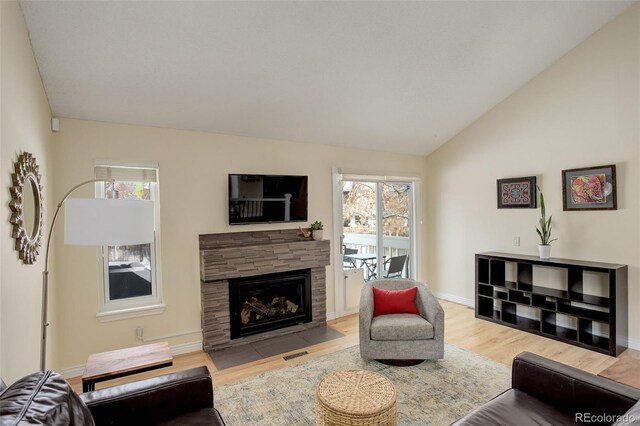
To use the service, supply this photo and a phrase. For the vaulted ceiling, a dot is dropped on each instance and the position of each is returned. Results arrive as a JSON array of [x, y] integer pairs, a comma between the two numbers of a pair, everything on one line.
[[394, 76]]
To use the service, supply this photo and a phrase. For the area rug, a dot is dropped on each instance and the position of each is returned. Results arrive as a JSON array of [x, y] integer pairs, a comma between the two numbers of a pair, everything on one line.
[[431, 393]]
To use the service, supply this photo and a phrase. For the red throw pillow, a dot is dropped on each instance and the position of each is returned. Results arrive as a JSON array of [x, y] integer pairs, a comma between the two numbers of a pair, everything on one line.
[[394, 301]]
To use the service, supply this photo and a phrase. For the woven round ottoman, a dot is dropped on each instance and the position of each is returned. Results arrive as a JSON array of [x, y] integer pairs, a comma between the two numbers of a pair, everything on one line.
[[355, 397]]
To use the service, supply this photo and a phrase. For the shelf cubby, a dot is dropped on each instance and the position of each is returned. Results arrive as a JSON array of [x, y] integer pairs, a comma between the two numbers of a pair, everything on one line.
[[551, 325], [499, 293], [591, 299], [544, 302], [485, 307], [511, 315], [577, 302], [588, 337], [509, 312], [511, 285], [518, 296], [485, 290], [551, 292], [567, 307], [525, 276], [496, 272], [483, 271]]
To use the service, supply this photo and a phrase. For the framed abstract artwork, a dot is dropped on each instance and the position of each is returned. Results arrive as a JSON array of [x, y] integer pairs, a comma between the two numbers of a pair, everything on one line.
[[517, 193], [589, 188]]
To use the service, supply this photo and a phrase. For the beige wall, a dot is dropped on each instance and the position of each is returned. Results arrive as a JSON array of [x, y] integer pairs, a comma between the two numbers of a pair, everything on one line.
[[24, 126], [193, 193], [582, 111]]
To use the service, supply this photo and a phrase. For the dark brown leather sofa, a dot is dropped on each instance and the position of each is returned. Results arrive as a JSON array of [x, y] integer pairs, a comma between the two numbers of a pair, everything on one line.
[[545, 392], [45, 398]]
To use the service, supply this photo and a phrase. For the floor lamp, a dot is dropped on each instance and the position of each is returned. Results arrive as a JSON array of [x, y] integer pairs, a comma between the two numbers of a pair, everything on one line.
[[96, 222]]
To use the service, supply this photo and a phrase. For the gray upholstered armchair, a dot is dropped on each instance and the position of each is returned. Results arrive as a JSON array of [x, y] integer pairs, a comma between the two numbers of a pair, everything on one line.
[[401, 336]]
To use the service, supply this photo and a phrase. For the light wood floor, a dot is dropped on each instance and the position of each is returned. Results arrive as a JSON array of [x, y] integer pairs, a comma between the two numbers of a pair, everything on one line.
[[462, 329]]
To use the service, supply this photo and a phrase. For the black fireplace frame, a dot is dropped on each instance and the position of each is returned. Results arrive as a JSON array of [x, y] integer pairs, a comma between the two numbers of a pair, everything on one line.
[[236, 286]]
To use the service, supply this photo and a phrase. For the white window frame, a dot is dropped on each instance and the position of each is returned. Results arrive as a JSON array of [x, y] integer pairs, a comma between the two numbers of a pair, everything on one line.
[[111, 310]]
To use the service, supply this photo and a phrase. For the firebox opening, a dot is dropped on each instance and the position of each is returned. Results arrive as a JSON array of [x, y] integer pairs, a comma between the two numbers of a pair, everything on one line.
[[268, 302]]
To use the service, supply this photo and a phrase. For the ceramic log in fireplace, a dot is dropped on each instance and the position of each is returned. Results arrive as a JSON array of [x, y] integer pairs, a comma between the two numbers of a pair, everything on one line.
[[269, 302]]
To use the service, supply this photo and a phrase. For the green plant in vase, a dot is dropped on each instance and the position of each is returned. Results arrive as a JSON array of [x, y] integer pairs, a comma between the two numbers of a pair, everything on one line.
[[544, 231], [316, 230]]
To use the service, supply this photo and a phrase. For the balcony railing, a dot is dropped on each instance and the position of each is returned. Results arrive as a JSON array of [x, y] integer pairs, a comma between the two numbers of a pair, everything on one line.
[[367, 244]]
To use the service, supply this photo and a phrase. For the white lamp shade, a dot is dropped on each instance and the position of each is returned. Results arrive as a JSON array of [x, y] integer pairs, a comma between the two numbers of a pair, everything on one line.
[[108, 222]]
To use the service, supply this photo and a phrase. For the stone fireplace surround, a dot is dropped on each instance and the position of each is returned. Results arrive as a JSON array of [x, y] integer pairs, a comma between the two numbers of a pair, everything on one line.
[[245, 254]]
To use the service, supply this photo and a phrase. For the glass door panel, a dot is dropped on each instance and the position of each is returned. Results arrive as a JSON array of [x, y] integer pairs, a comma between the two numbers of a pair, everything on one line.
[[360, 227], [396, 228]]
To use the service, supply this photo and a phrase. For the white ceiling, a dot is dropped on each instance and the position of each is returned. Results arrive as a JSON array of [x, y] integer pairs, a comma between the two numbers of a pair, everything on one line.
[[393, 76]]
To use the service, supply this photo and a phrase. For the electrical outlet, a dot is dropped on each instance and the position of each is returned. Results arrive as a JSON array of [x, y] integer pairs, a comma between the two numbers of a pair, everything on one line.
[[516, 241], [139, 333]]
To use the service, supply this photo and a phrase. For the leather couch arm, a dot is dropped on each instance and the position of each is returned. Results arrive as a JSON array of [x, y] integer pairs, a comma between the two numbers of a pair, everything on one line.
[[569, 389], [152, 400]]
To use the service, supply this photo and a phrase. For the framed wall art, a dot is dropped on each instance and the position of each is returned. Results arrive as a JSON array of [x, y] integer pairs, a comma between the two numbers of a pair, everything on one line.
[[589, 188], [517, 193]]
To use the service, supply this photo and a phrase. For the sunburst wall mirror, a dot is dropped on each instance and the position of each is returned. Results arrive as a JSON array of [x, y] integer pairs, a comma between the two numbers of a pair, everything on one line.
[[26, 205]]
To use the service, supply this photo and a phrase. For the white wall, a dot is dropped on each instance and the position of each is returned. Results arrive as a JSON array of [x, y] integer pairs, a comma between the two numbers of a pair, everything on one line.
[[193, 192], [582, 111], [24, 126]]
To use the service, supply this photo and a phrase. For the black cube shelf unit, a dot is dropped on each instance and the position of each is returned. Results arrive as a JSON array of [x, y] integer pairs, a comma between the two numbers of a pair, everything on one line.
[[568, 313]]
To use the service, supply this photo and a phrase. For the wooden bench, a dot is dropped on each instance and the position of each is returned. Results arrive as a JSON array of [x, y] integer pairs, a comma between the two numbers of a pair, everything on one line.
[[124, 362]]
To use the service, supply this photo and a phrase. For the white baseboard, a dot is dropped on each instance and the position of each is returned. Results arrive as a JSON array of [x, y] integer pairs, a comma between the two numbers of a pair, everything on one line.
[[185, 348], [331, 316], [634, 344], [453, 298], [179, 349]]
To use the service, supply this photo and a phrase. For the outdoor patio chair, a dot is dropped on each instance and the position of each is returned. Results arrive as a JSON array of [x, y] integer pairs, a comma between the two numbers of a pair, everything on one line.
[[349, 262], [396, 266]]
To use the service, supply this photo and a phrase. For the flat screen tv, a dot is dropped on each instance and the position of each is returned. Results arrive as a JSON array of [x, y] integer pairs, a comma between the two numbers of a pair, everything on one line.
[[267, 199]]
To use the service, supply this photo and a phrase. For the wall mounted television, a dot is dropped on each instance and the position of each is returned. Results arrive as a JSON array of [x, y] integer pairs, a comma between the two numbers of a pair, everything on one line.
[[267, 199]]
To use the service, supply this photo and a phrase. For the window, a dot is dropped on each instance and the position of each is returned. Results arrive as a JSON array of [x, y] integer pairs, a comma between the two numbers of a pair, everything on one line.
[[130, 278]]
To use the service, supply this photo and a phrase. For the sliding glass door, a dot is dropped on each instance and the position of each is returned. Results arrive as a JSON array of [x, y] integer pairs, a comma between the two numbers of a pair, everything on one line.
[[377, 235]]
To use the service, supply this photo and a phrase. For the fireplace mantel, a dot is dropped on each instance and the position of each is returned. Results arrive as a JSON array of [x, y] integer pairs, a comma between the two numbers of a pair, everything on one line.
[[244, 254], [251, 257]]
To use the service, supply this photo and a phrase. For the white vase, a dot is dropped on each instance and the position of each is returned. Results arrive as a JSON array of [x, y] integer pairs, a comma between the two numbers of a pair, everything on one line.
[[544, 251], [316, 234]]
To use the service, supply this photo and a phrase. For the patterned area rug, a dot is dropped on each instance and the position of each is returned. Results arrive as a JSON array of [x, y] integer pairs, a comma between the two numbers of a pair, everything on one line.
[[432, 393]]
